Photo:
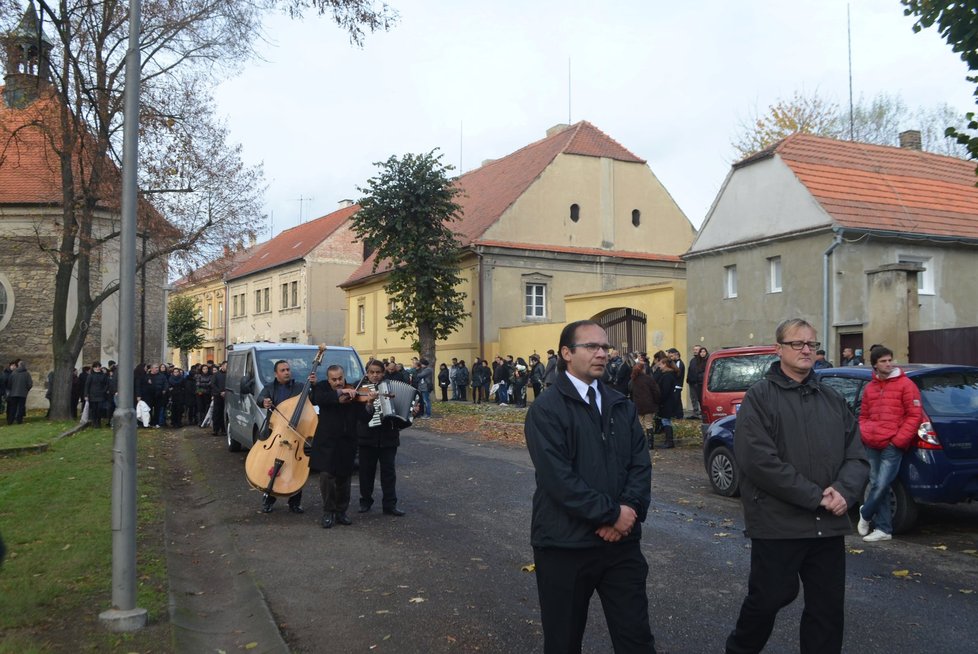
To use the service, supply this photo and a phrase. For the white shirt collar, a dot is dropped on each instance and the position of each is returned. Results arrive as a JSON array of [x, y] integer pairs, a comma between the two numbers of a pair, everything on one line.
[[582, 388]]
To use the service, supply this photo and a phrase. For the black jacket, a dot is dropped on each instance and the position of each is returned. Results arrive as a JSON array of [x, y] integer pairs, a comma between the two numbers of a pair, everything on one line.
[[583, 472], [334, 447], [670, 394], [793, 441], [98, 386]]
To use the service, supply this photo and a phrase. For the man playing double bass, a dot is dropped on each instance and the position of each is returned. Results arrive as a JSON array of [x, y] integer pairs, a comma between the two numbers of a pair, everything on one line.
[[281, 389], [335, 445]]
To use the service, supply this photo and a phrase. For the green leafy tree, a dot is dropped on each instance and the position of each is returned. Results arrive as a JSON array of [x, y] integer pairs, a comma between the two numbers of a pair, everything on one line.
[[405, 218], [183, 326], [958, 24]]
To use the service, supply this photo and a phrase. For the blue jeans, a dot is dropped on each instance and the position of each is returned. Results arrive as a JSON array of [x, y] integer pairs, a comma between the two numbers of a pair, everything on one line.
[[426, 402], [883, 468], [502, 393]]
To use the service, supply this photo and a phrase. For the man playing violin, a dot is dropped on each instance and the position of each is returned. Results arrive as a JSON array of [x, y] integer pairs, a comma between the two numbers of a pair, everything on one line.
[[282, 388], [378, 440], [334, 446]]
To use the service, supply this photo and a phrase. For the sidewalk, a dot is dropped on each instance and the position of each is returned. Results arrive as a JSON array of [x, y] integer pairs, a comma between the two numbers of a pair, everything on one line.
[[215, 603]]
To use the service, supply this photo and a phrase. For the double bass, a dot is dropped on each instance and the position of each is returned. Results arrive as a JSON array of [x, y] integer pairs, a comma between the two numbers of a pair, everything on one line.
[[277, 464]]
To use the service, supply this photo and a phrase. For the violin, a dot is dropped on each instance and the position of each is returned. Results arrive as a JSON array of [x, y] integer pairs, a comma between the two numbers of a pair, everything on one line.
[[277, 464], [364, 396]]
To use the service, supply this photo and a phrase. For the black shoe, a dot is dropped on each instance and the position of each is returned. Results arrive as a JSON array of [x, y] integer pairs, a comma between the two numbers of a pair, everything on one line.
[[668, 445], [394, 511], [295, 508], [266, 507], [343, 519], [327, 521], [363, 508]]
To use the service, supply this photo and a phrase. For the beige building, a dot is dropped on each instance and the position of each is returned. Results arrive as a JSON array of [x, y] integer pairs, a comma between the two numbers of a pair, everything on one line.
[[572, 226], [206, 287], [287, 289], [872, 244]]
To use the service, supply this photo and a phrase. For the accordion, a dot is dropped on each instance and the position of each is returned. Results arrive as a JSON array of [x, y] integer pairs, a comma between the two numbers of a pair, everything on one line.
[[396, 403]]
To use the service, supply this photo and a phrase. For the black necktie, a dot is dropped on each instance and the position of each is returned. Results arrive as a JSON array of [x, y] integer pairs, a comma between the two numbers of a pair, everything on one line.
[[592, 399]]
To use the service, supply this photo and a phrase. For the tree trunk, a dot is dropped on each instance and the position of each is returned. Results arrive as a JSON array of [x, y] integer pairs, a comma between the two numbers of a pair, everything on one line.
[[426, 343]]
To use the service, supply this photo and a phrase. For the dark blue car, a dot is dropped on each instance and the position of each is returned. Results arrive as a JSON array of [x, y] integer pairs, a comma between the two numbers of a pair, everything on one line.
[[941, 466]]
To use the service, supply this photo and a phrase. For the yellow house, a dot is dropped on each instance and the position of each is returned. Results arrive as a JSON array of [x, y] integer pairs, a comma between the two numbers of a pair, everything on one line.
[[572, 226]]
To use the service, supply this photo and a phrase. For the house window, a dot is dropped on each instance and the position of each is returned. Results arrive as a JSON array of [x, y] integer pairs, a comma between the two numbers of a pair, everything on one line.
[[774, 275], [361, 318], [6, 302], [295, 294], [234, 306], [636, 217], [285, 296], [730, 281], [925, 279], [266, 295], [391, 306], [575, 213], [220, 314], [536, 301], [210, 316], [258, 301]]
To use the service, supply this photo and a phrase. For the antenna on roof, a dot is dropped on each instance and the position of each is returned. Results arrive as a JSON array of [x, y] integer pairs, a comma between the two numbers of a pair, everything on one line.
[[569, 91], [849, 39], [300, 200]]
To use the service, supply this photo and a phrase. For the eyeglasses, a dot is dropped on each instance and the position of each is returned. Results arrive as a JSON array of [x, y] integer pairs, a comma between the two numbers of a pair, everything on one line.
[[592, 347], [800, 345]]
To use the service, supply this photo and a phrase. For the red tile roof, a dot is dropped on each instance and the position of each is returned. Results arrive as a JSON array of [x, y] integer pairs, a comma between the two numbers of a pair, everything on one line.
[[882, 188], [293, 244], [488, 191], [217, 268], [30, 170]]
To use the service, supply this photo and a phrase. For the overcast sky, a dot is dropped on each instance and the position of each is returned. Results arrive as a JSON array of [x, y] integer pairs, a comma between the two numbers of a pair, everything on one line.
[[671, 81]]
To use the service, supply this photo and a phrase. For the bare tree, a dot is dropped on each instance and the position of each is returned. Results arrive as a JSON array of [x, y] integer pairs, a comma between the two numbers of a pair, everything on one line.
[[186, 47]]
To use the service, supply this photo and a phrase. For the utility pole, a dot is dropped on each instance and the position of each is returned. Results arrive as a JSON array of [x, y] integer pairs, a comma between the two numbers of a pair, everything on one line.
[[124, 615], [300, 200]]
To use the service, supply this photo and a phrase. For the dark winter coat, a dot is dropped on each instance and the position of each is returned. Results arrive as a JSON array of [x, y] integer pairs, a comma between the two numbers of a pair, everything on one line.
[[793, 441], [646, 395], [550, 373], [98, 386], [218, 383], [462, 376], [20, 382], [443, 378], [334, 446], [695, 371], [670, 392], [584, 472], [154, 386], [891, 412]]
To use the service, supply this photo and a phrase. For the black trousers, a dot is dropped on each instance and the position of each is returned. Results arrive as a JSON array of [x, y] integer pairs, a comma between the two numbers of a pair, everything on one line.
[[335, 490], [776, 567], [217, 422], [16, 409], [369, 458], [566, 580]]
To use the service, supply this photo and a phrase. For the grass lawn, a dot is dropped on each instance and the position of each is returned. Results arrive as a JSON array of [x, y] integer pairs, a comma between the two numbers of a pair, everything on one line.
[[55, 518]]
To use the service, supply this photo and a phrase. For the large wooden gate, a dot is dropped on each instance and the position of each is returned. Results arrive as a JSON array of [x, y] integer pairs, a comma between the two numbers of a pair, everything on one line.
[[958, 345], [626, 329]]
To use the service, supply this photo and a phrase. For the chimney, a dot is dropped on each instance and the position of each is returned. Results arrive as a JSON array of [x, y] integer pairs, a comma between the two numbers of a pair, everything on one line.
[[557, 129], [910, 140], [345, 203]]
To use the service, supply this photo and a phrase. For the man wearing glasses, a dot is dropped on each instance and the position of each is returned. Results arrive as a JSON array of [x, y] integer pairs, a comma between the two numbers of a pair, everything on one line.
[[803, 466], [593, 491]]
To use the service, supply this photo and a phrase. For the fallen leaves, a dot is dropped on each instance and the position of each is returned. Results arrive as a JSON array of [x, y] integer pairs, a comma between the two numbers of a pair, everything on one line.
[[530, 567]]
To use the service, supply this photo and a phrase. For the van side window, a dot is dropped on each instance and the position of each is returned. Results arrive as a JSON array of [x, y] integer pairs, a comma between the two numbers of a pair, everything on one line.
[[736, 374]]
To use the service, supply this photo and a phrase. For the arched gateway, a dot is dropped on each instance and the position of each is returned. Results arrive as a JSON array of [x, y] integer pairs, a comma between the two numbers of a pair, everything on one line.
[[626, 328]]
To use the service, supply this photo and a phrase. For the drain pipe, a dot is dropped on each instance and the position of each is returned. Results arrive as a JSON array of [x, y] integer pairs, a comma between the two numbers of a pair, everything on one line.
[[825, 286]]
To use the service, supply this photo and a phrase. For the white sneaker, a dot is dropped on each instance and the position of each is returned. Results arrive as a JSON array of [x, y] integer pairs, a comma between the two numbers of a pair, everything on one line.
[[863, 526], [877, 535]]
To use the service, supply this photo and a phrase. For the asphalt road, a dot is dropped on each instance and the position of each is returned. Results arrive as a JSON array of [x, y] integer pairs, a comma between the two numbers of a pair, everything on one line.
[[449, 576]]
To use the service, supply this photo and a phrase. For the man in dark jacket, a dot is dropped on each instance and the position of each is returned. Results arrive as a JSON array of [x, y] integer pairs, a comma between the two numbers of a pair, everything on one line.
[[334, 447], [378, 440], [500, 375], [550, 372], [282, 388], [19, 386], [593, 479], [217, 394], [694, 379], [155, 392], [803, 466], [98, 392]]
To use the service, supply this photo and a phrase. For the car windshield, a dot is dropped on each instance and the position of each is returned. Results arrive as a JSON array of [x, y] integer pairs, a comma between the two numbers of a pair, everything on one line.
[[949, 393], [736, 374], [300, 360]]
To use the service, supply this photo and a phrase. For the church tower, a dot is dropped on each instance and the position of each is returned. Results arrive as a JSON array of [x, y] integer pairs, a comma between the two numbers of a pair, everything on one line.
[[27, 60]]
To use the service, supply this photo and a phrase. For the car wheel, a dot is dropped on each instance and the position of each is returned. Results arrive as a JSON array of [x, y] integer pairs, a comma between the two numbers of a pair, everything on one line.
[[723, 473], [903, 508], [233, 445]]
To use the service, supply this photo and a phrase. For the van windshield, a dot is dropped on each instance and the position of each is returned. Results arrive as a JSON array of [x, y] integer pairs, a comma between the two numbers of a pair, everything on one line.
[[736, 374], [300, 361]]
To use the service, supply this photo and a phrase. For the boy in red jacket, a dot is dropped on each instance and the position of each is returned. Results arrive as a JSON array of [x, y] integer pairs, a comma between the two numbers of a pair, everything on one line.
[[888, 421]]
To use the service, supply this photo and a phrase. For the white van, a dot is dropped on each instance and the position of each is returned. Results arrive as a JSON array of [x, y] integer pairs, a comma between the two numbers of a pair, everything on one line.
[[251, 366]]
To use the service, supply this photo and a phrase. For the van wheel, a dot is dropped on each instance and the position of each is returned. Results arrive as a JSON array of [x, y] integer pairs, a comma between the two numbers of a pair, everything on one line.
[[722, 469], [903, 508], [233, 445]]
